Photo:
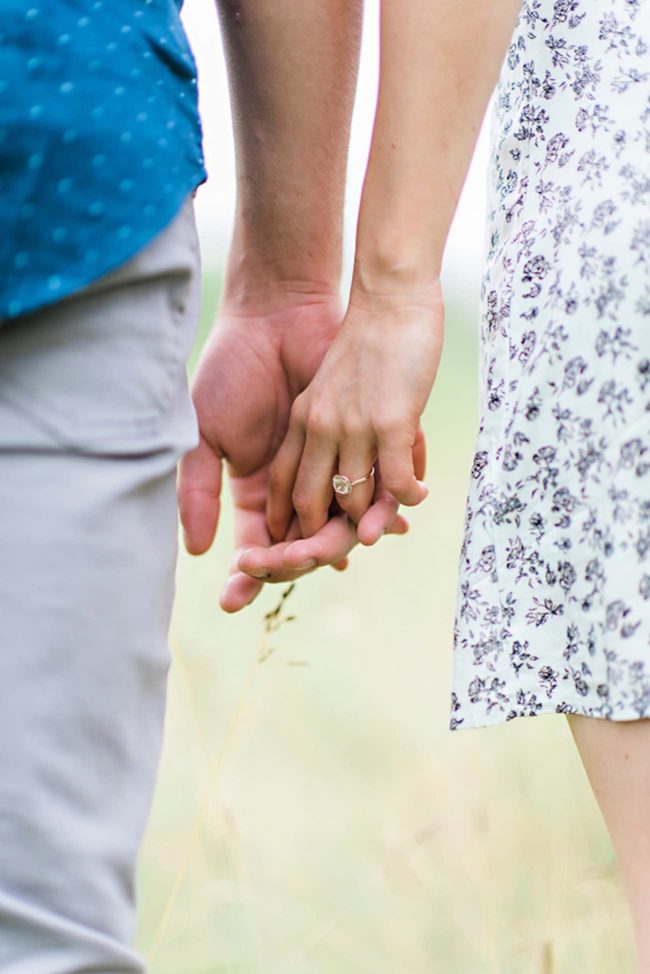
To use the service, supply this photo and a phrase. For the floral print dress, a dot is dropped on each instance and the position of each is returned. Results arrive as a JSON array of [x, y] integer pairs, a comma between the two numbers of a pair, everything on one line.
[[553, 597]]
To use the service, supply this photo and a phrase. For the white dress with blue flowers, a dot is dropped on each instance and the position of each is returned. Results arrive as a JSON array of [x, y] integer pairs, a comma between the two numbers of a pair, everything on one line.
[[553, 598]]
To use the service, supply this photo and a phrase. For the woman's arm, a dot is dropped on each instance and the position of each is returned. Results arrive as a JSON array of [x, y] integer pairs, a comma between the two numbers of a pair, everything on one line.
[[439, 63], [440, 60]]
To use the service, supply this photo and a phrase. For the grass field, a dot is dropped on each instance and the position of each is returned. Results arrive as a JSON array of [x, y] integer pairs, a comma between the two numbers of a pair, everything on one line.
[[314, 815]]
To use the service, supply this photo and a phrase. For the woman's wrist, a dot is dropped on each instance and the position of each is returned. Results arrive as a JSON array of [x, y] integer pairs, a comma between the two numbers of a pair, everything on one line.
[[388, 304], [398, 279], [395, 256], [387, 275]]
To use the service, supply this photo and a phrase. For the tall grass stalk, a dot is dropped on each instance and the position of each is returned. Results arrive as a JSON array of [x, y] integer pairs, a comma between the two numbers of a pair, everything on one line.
[[272, 621]]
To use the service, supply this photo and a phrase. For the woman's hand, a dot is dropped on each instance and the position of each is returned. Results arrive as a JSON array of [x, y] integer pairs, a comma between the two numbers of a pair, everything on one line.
[[362, 407]]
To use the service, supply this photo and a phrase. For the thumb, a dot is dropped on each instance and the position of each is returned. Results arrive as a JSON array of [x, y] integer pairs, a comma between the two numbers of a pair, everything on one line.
[[198, 492], [419, 454]]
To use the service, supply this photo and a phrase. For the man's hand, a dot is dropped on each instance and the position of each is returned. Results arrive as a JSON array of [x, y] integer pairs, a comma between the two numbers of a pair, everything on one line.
[[251, 370], [292, 71]]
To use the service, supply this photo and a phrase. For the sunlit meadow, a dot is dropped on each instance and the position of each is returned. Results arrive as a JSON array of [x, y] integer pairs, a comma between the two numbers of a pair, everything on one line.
[[314, 814]]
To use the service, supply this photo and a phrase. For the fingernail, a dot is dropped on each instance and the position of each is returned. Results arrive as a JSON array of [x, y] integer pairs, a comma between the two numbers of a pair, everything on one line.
[[257, 572], [424, 487], [310, 563]]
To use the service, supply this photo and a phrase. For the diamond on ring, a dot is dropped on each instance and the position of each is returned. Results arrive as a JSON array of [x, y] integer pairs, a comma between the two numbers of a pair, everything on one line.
[[343, 485]]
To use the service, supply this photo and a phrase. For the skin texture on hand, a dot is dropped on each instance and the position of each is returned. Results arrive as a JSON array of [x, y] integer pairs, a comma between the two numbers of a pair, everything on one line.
[[363, 407], [251, 370]]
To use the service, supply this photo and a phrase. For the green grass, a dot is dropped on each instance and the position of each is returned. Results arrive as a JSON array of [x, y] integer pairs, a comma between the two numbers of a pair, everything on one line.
[[348, 831]]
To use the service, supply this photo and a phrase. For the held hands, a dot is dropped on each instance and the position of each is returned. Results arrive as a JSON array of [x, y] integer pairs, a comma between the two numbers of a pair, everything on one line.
[[287, 398], [262, 354], [362, 408]]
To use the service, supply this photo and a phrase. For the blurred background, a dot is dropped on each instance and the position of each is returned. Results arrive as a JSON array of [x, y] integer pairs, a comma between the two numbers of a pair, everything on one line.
[[314, 814]]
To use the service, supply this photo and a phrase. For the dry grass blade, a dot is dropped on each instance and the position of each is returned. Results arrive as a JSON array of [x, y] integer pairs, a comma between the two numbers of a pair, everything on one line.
[[273, 620]]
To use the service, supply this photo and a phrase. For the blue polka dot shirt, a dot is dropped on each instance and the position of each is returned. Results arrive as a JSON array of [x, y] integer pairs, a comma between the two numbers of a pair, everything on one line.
[[100, 139]]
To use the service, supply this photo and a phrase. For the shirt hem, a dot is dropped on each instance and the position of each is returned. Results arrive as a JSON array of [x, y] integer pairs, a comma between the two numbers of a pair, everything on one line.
[[75, 284]]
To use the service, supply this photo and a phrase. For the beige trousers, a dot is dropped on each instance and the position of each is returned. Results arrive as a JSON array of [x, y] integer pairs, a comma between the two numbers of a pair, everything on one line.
[[94, 414]]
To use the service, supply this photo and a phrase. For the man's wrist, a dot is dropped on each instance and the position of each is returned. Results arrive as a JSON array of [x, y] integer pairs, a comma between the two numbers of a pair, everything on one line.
[[255, 275], [257, 293]]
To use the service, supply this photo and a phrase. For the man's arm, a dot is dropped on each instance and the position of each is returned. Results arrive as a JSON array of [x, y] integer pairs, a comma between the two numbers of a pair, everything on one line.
[[292, 71]]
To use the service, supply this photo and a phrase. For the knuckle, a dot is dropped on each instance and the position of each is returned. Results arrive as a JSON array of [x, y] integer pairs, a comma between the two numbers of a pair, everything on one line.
[[354, 427], [320, 424], [390, 425]]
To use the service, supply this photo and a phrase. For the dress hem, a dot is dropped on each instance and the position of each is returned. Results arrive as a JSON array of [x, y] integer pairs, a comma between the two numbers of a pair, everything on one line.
[[504, 717]]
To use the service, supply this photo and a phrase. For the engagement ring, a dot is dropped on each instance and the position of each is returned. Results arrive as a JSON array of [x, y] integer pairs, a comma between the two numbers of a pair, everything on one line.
[[343, 485]]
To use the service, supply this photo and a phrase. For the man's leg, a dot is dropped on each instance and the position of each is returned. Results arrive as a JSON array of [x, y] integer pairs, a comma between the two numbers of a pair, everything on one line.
[[94, 413]]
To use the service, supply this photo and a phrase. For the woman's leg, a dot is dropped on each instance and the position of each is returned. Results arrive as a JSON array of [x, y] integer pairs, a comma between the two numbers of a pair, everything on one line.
[[616, 757]]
